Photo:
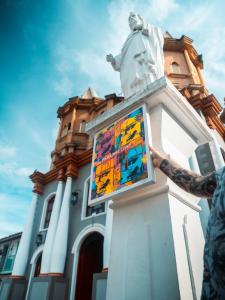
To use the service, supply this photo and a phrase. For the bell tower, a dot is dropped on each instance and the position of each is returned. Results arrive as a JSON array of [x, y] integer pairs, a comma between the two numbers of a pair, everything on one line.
[[74, 115]]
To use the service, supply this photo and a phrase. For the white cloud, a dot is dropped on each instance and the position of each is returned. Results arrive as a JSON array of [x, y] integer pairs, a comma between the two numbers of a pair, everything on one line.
[[7, 151], [63, 86], [195, 15], [12, 172], [161, 9], [13, 169], [7, 228], [12, 214], [65, 67]]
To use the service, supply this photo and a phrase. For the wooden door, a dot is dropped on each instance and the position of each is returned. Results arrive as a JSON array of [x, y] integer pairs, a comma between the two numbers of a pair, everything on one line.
[[90, 262]]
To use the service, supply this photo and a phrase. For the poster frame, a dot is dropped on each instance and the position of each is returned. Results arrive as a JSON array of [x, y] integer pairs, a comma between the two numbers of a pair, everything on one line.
[[150, 169]]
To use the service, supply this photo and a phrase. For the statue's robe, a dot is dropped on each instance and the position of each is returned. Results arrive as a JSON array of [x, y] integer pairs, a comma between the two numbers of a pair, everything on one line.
[[141, 60]]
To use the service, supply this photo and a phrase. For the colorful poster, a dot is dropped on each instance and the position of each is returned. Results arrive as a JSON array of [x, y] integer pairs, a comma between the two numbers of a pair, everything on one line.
[[119, 157]]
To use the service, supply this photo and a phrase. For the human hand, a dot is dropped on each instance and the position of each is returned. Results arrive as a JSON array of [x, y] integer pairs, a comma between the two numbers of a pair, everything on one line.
[[110, 58], [157, 157], [145, 32]]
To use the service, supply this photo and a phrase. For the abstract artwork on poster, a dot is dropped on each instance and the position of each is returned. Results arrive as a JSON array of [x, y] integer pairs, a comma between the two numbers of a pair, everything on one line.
[[119, 158]]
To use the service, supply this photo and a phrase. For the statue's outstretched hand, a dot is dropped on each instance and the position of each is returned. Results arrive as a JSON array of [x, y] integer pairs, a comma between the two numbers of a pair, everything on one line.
[[145, 32], [110, 58]]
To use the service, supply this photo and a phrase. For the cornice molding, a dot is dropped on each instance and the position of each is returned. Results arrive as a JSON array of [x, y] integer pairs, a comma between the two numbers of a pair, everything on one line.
[[181, 44], [218, 125], [94, 104], [39, 180], [72, 170], [84, 158], [210, 107], [178, 75], [68, 165], [61, 175]]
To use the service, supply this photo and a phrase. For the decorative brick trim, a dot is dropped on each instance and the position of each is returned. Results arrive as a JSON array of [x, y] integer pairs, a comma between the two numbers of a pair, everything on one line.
[[61, 175], [56, 274], [105, 270], [39, 180], [17, 277], [72, 170]]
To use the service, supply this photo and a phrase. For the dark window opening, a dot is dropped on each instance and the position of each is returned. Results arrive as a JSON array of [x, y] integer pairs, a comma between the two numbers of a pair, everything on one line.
[[82, 126], [37, 270], [97, 209], [3, 256], [175, 68], [49, 211]]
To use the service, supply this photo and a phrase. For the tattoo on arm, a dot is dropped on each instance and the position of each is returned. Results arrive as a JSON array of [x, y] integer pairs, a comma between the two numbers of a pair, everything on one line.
[[201, 186]]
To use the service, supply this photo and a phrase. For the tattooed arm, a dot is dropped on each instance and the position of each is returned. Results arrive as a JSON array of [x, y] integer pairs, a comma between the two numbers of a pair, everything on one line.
[[201, 186]]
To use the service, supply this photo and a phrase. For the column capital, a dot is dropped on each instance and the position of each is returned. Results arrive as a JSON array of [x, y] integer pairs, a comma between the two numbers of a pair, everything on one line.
[[72, 170], [38, 188], [61, 175], [38, 179]]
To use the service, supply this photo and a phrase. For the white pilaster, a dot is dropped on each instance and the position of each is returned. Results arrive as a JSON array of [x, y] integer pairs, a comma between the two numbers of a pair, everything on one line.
[[24, 245], [216, 154], [194, 163], [59, 249], [47, 252], [107, 238]]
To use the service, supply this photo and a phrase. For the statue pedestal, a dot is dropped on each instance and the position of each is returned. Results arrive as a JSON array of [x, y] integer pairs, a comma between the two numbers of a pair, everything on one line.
[[157, 240]]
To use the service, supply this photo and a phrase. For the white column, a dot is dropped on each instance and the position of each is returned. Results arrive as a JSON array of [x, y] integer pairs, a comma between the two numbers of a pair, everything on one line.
[[22, 255], [108, 234], [47, 252], [59, 250], [194, 163], [216, 154]]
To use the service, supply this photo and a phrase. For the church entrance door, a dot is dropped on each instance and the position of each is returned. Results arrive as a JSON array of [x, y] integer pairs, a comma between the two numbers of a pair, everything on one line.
[[90, 262]]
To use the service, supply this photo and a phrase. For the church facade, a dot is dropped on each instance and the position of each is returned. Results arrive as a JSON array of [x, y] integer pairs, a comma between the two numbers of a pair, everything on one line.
[[65, 247]]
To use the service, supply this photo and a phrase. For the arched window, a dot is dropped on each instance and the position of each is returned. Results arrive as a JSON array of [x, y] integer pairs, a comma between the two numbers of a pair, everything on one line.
[[89, 211], [37, 269], [82, 126], [65, 129], [49, 211], [175, 68]]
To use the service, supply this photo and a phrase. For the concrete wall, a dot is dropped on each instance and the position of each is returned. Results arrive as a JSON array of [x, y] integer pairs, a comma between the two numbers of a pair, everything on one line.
[[142, 262]]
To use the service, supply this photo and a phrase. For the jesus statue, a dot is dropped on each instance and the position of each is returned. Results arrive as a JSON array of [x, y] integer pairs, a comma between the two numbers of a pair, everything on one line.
[[141, 60]]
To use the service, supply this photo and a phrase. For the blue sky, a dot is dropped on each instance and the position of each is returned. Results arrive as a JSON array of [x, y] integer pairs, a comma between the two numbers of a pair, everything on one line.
[[52, 50]]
